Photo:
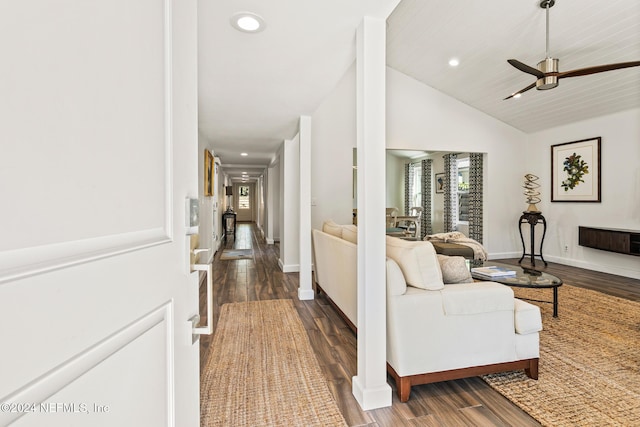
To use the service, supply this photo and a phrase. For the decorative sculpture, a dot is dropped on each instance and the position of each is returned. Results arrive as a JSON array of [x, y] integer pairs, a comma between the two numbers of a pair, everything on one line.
[[532, 193]]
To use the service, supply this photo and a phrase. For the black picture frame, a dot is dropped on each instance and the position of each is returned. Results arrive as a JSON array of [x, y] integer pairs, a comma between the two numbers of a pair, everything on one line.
[[576, 171]]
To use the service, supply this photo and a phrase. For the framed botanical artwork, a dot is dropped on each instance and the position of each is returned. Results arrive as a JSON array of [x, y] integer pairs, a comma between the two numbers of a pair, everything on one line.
[[439, 183], [575, 171], [208, 173]]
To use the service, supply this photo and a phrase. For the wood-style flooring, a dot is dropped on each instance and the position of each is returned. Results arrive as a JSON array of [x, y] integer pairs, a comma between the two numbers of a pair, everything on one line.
[[467, 402]]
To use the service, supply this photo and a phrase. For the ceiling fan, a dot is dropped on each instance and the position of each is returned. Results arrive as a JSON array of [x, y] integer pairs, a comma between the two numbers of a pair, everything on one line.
[[547, 72]]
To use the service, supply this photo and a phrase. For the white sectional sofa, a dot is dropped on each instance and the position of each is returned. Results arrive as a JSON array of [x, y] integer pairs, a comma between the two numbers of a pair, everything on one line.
[[435, 332]]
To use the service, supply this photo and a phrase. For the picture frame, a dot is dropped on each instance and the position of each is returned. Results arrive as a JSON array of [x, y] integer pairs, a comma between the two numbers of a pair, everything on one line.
[[575, 171], [438, 183], [208, 173]]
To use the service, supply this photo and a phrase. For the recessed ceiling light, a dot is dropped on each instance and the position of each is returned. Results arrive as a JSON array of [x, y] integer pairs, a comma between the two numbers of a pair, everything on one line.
[[247, 22], [244, 154], [454, 62]]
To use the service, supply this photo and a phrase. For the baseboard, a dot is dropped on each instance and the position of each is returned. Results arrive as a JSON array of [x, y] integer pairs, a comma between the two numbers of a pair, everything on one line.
[[372, 397], [288, 268], [305, 294], [602, 268], [504, 255]]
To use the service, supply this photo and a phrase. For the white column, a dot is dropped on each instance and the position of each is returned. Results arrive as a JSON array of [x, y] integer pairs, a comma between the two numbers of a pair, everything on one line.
[[370, 386], [305, 291], [289, 261], [270, 205]]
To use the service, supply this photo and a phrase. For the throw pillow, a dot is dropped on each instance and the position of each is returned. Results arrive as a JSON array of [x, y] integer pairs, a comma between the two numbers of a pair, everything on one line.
[[454, 269], [330, 227], [350, 233], [418, 262]]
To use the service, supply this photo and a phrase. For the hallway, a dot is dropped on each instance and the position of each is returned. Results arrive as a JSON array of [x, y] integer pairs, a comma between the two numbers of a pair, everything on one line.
[[463, 402]]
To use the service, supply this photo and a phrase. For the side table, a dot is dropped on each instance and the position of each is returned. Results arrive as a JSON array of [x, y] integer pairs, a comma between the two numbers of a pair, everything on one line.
[[533, 218]]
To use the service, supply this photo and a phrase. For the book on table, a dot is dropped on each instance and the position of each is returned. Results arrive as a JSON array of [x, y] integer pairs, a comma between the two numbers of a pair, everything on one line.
[[493, 271]]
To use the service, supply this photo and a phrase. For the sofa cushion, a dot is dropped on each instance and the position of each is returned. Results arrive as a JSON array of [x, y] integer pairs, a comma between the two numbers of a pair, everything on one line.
[[454, 269], [350, 233], [527, 318], [396, 284], [330, 227], [418, 262], [476, 298]]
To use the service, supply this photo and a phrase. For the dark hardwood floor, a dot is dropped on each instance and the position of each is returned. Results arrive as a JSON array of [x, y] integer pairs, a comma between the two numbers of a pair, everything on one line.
[[467, 402]]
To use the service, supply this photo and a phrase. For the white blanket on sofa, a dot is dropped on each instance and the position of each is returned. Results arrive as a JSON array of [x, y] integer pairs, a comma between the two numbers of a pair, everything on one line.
[[479, 251]]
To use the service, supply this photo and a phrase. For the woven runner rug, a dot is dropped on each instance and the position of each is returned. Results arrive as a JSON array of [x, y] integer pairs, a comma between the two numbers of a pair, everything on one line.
[[589, 362], [262, 371]]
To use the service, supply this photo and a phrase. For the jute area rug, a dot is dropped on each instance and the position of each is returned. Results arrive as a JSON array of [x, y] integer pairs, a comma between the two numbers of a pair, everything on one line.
[[262, 371], [231, 254], [589, 362]]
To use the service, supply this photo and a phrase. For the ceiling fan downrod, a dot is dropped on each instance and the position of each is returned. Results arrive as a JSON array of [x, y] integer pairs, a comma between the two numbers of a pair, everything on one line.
[[547, 65]]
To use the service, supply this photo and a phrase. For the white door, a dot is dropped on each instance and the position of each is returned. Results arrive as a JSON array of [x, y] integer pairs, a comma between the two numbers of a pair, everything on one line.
[[97, 148], [245, 201]]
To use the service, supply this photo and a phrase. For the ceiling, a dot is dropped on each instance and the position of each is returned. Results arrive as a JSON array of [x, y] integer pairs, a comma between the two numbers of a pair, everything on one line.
[[424, 35], [253, 87]]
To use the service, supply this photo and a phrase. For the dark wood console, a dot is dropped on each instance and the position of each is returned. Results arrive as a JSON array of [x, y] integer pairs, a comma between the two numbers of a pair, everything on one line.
[[610, 239]]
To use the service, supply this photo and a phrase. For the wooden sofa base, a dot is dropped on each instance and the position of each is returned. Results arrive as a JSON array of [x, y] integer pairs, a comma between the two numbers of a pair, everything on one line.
[[403, 384]]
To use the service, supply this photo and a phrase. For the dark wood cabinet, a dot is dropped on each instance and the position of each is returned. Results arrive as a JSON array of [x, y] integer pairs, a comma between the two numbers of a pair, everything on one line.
[[610, 239], [229, 224]]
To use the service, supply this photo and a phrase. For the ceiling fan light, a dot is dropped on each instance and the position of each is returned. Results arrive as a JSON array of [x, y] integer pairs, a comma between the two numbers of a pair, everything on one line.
[[547, 83]]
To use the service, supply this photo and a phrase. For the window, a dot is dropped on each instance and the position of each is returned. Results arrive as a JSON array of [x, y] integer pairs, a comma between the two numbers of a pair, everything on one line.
[[463, 190], [244, 201], [416, 186]]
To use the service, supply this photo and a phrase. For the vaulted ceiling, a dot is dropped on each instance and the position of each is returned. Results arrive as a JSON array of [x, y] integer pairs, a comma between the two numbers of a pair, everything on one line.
[[424, 35], [253, 87]]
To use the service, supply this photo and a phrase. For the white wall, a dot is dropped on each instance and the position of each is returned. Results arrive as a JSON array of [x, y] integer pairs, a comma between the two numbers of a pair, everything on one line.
[[260, 202], [437, 199], [420, 118], [209, 230], [333, 138], [272, 209], [620, 206], [395, 182], [290, 205]]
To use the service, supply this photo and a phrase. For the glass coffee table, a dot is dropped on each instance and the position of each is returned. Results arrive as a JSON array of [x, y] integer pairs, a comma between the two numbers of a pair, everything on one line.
[[524, 278]]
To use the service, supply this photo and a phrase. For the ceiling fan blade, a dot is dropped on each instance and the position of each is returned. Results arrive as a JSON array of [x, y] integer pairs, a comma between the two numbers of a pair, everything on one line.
[[598, 69], [525, 68], [531, 86]]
